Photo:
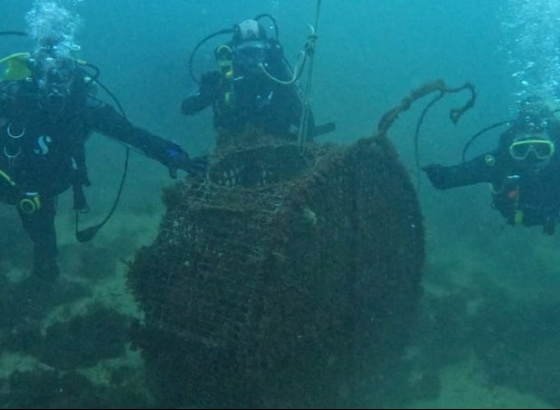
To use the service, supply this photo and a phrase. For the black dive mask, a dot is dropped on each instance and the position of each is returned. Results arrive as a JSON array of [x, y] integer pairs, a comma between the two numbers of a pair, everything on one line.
[[55, 80], [249, 55]]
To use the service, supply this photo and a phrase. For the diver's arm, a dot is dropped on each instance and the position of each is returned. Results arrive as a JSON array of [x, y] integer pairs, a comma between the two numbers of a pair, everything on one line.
[[193, 104], [106, 120], [479, 169], [204, 96]]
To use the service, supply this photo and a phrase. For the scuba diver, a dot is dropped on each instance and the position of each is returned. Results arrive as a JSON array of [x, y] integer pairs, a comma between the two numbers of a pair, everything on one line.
[[254, 85], [523, 171], [47, 113]]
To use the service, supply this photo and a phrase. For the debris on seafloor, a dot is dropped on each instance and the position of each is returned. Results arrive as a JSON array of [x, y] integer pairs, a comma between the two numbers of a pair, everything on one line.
[[286, 277]]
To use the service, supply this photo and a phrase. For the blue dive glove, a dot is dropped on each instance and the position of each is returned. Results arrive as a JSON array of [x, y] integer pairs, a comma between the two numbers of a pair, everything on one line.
[[179, 159]]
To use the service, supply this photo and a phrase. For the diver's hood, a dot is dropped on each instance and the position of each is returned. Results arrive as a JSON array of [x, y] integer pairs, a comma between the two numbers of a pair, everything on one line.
[[249, 29]]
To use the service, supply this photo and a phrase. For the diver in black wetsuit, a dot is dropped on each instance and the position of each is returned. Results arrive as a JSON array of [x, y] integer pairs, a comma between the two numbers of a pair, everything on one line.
[[254, 86], [45, 120], [524, 170]]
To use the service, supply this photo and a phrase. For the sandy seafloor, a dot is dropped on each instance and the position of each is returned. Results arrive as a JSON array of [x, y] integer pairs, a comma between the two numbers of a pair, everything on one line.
[[463, 383]]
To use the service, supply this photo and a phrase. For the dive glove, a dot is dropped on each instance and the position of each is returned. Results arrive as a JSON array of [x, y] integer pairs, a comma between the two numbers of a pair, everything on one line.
[[436, 174], [209, 85], [196, 102], [181, 160]]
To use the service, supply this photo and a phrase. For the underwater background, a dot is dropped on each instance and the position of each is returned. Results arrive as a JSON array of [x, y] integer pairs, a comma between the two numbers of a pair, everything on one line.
[[488, 333]]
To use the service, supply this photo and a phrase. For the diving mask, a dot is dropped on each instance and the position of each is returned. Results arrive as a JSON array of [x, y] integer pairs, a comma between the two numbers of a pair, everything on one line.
[[250, 55], [541, 148], [55, 79]]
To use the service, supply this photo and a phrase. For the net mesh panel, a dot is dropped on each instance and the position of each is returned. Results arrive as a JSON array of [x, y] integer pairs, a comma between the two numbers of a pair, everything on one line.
[[283, 279]]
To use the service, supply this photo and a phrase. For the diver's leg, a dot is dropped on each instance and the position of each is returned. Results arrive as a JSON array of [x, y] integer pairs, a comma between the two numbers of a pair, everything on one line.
[[40, 228]]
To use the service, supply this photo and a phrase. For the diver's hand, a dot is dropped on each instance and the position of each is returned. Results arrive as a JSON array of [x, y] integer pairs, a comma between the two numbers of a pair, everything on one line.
[[204, 96], [176, 160], [436, 174], [210, 80], [195, 166], [209, 86], [192, 104], [181, 160]]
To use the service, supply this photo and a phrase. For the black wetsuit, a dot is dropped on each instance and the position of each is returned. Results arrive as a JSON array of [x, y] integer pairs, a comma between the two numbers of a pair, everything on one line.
[[249, 96], [42, 151], [522, 197]]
